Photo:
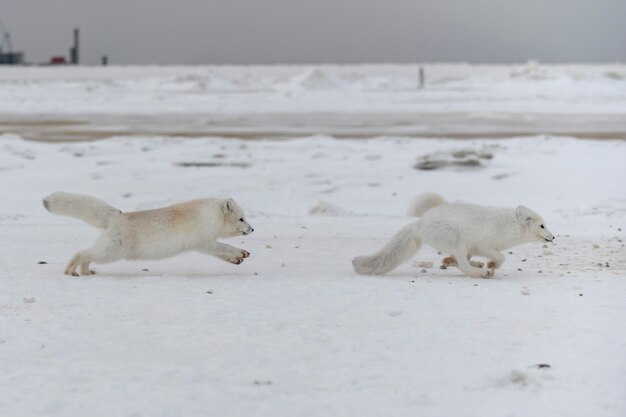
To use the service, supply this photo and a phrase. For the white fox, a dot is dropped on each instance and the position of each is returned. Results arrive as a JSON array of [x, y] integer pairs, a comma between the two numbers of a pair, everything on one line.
[[153, 234], [461, 230]]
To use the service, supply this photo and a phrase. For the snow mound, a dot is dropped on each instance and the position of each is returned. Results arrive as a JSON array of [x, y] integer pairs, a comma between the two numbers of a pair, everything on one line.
[[460, 158], [311, 79], [324, 208], [208, 81], [531, 71]]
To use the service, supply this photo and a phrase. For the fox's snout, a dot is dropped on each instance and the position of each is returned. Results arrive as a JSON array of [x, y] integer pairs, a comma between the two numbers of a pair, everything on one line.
[[248, 230], [547, 236]]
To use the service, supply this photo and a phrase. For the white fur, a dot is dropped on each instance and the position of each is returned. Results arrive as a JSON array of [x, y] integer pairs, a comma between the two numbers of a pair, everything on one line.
[[463, 231], [422, 203], [153, 234], [91, 210]]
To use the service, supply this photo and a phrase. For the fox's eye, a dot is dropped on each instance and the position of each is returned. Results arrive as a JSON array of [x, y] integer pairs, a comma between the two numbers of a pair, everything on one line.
[[242, 220], [542, 226]]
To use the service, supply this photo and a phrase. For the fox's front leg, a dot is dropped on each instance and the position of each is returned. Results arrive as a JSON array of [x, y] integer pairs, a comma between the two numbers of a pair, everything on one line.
[[226, 252]]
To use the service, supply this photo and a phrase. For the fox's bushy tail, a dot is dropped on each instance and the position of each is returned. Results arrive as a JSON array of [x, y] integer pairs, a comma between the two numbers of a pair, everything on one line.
[[88, 209], [402, 246], [422, 203]]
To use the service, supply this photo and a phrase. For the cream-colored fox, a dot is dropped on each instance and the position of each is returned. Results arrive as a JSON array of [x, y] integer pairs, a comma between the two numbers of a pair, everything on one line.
[[461, 230], [153, 234]]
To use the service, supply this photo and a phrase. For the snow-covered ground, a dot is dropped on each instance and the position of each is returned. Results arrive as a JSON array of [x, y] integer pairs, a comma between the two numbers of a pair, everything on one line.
[[259, 89], [293, 331], [256, 101]]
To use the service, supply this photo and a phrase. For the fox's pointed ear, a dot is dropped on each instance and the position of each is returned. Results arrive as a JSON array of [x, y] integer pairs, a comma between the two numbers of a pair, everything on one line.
[[227, 205], [524, 214]]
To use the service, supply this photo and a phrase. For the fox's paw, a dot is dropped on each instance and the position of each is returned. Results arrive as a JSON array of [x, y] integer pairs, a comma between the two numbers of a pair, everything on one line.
[[481, 273], [494, 265], [238, 258], [449, 261], [235, 261], [72, 273]]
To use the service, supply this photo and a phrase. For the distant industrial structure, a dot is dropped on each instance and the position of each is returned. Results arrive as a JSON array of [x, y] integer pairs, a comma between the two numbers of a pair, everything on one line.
[[74, 49], [7, 55], [10, 57]]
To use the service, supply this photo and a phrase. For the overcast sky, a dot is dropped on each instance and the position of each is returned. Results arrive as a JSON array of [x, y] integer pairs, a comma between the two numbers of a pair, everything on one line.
[[320, 31]]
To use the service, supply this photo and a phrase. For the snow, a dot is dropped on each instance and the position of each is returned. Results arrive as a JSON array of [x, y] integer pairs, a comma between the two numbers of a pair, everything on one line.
[[293, 330], [348, 101]]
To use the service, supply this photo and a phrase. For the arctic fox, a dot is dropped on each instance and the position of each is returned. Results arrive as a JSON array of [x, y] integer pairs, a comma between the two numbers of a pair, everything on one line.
[[153, 234], [461, 230]]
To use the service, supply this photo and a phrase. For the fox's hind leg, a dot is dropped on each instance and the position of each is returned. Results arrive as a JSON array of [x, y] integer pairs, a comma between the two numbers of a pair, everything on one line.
[[469, 270], [80, 259], [451, 261], [104, 251], [84, 269], [496, 259]]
